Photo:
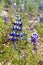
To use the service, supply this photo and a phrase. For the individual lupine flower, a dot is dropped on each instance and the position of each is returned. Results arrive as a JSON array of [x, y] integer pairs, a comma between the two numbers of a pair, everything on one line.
[[34, 43], [33, 39], [16, 28], [14, 34], [22, 36], [13, 38], [18, 23]]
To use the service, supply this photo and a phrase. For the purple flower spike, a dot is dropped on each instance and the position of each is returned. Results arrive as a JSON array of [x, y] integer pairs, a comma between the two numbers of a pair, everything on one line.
[[17, 34], [41, 19], [17, 28], [15, 5], [34, 37]]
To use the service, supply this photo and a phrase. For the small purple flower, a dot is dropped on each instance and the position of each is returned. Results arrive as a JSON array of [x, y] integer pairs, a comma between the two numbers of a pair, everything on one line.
[[22, 34], [13, 39], [34, 40], [18, 23], [14, 34], [17, 28]]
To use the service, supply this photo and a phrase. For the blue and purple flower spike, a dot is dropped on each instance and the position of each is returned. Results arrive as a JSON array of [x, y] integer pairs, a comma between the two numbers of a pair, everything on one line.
[[41, 18], [34, 38], [17, 31]]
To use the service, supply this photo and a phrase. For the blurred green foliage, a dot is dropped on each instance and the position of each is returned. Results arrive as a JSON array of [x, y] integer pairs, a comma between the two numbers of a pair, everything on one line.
[[39, 29], [1, 29]]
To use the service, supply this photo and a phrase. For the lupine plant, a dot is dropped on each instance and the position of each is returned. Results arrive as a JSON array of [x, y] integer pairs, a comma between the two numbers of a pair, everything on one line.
[[22, 55], [17, 28]]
